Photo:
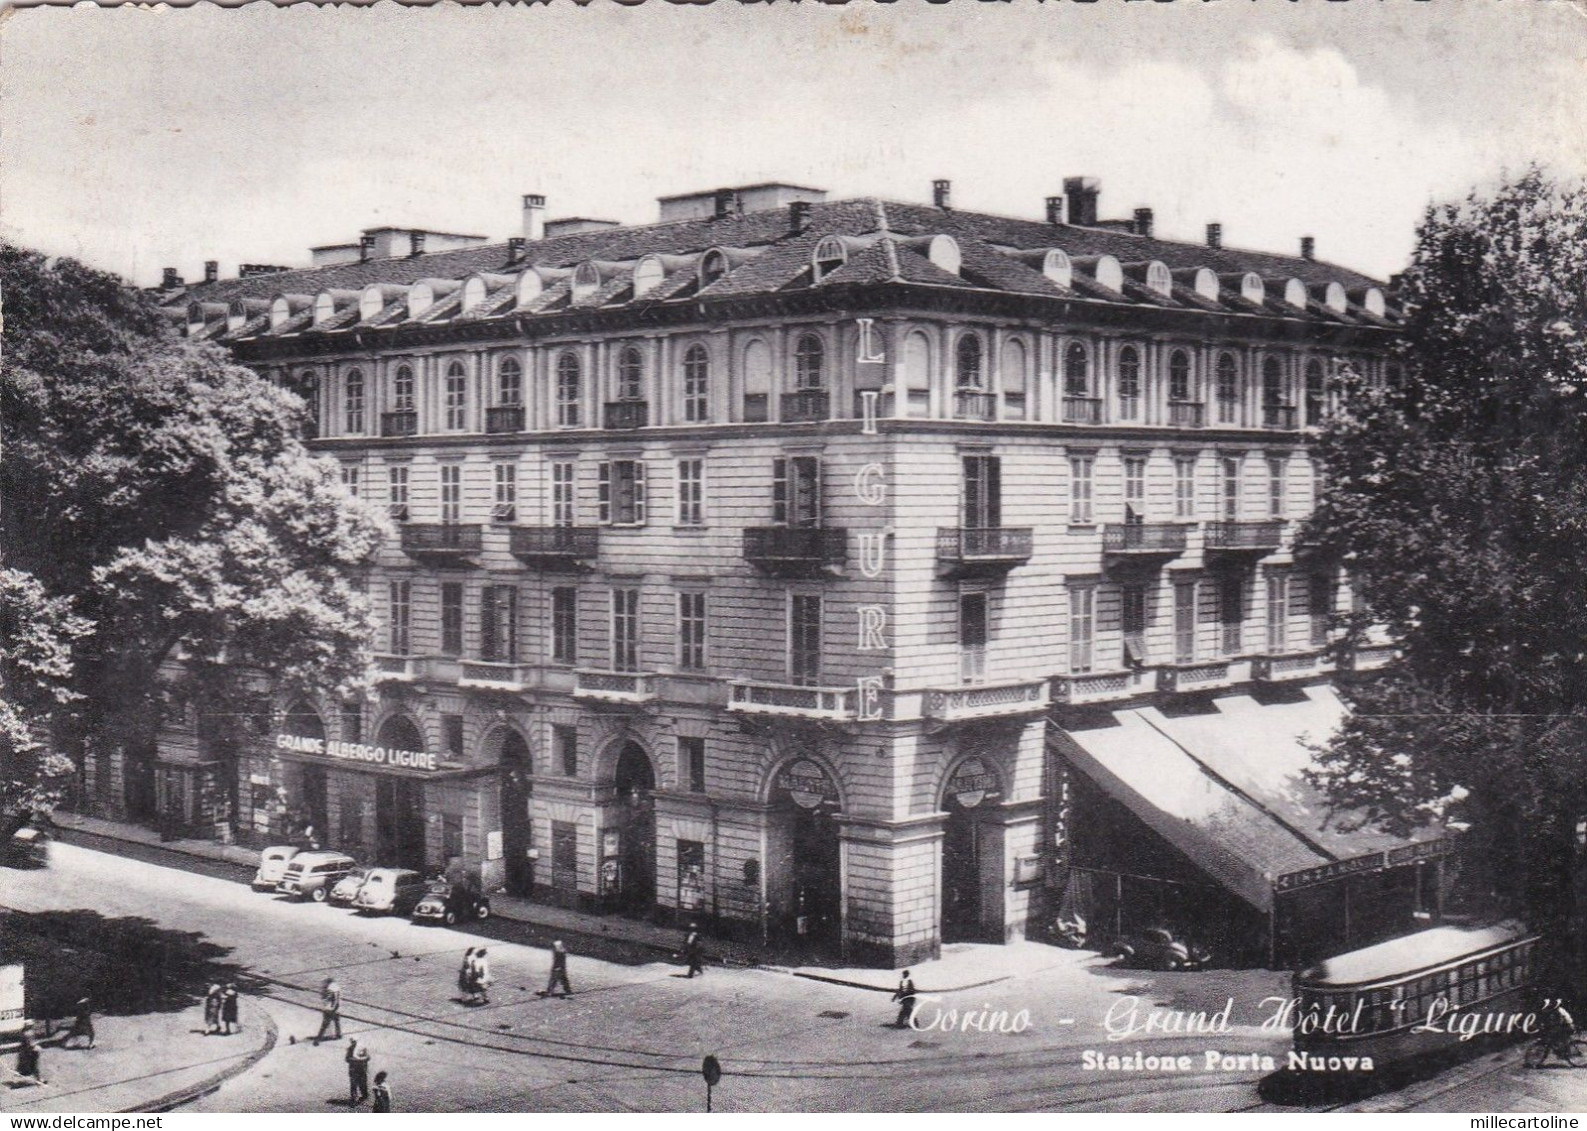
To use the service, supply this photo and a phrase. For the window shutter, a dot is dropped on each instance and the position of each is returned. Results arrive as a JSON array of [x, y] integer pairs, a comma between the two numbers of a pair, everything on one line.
[[639, 492], [487, 622], [815, 492], [972, 491], [994, 492], [779, 491], [604, 495]]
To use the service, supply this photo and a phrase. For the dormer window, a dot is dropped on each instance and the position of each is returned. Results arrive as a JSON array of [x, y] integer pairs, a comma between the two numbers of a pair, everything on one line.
[[1295, 294], [967, 362], [1207, 284], [1251, 288], [586, 281], [943, 251], [648, 275], [830, 254], [1077, 371], [630, 375], [1056, 266], [280, 312], [809, 362], [324, 308], [1158, 278], [474, 292], [713, 265], [1109, 273], [528, 289], [1373, 302], [1335, 299]]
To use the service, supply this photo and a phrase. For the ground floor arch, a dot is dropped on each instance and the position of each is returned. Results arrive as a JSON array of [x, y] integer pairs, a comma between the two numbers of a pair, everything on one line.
[[517, 829], [972, 852], [399, 801], [628, 839], [804, 850]]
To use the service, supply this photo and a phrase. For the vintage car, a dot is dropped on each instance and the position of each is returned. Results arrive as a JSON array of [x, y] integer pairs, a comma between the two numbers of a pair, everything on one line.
[[390, 891], [310, 875], [1158, 948], [446, 902], [273, 863], [344, 892]]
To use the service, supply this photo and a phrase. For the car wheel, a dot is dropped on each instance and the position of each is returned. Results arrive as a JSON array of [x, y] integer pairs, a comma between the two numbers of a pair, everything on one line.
[[451, 918], [484, 911], [318, 895]]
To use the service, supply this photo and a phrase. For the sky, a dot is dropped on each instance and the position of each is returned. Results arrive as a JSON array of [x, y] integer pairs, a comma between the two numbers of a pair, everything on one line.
[[136, 139]]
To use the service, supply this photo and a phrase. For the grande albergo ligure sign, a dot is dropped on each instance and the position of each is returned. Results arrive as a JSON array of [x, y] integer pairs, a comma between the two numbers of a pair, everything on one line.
[[359, 752]]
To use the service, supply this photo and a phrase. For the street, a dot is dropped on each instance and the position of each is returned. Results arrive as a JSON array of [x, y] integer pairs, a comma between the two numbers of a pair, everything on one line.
[[633, 1036]]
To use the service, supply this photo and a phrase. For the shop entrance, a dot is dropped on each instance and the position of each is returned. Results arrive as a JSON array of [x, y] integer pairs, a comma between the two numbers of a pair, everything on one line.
[[628, 849], [971, 855], [806, 888], [399, 803], [306, 785], [516, 834]]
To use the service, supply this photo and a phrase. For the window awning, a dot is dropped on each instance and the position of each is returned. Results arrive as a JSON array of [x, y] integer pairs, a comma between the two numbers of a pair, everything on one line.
[[1226, 788]]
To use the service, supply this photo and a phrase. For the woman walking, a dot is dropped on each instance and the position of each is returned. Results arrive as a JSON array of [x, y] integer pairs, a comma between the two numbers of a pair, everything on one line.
[[465, 976], [228, 1008], [212, 1009]]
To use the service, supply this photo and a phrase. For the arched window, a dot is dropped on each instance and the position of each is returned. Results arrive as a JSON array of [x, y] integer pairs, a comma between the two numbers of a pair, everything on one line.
[[509, 382], [1315, 392], [1129, 377], [1179, 376], [402, 389], [809, 361], [757, 381], [586, 281], [353, 402], [713, 265], [569, 391], [696, 384], [309, 390], [630, 375], [1077, 375], [1012, 377], [830, 254], [1272, 381], [1228, 378], [967, 362], [456, 397]]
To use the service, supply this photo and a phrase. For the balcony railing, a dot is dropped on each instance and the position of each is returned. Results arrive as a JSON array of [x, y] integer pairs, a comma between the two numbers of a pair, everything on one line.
[[1193, 677], [389, 667], [796, 549], [1143, 538], [442, 539], [405, 423], [1187, 414], [622, 415], [1007, 545], [971, 404], [490, 675], [614, 687], [1129, 408], [1294, 665], [806, 405], [504, 418], [756, 410], [1369, 657], [1082, 410], [1231, 535], [1279, 416], [547, 545], [783, 699], [1098, 687], [955, 704]]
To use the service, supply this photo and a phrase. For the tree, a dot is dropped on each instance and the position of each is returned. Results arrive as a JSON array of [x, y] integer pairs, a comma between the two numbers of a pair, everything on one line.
[[36, 636], [162, 494], [1457, 499]]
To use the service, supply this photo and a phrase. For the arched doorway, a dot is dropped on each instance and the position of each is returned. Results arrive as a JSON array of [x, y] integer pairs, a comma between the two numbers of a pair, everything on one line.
[[971, 852], [805, 886], [628, 867], [399, 801], [516, 831], [308, 809]]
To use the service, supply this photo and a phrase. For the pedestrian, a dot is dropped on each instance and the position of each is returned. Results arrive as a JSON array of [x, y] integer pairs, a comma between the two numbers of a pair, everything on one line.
[[481, 977], [228, 1007], [357, 1073], [82, 1027], [693, 952], [559, 971], [28, 1068], [330, 1011], [465, 975], [212, 1009], [382, 1098], [904, 995]]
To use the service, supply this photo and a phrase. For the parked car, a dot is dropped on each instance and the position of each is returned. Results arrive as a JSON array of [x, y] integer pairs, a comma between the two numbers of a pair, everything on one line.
[[273, 863], [345, 890], [28, 847], [446, 902], [390, 891], [310, 875], [1158, 948]]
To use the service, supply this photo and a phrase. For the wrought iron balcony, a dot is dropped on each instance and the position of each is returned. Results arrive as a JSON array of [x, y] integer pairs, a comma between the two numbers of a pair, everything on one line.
[[1082, 410], [1187, 414], [504, 418], [405, 423], [972, 404], [1144, 539], [796, 550], [1230, 535], [984, 547], [614, 687], [493, 676], [622, 415], [555, 546], [1279, 416], [450, 541], [1095, 687], [806, 406], [754, 698], [957, 704]]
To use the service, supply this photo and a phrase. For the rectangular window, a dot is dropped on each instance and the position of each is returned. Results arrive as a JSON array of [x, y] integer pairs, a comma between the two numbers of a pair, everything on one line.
[[1276, 487], [451, 492], [1277, 610], [452, 734], [1134, 488], [691, 631], [505, 508], [1080, 489], [983, 492], [691, 492], [625, 630], [622, 493], [804, 638], [691, 763], [1184, 622], [566, 741], [401, 593], [452, 618], [1185, 487], [1133, 620], [498, 624], [350, 478], [397, 492], [1231, 488], [562, 497], [564, 625], [1320, 602], [1231, 609], [796, 491], [1082, 629], [456, 399], [972, 637], [355, 403]]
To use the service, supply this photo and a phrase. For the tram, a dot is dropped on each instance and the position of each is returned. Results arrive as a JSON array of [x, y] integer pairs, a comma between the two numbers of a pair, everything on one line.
[[1419, 994]]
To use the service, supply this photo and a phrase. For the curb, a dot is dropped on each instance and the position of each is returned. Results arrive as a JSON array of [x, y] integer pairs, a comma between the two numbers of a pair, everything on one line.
[[212, 1084]]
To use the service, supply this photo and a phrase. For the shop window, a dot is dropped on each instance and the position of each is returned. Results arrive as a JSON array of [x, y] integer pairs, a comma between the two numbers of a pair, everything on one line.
[[691, 763], [691, 875], [452, 735], [566, 741]]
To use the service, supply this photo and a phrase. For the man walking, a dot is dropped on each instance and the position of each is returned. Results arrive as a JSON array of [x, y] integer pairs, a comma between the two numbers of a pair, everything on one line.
[[905, 997], [693, 952], [82, 1027], [382, 1097], [481, 990], [559, 971], [357, 1073], [330, 1012]]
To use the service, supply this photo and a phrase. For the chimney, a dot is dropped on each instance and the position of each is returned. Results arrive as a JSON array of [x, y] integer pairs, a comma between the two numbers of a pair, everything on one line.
[[366, 248], [1308, 247], [726, 203], [416, 246], [211, 270], [1143, 221], [1214, 235], [1082, 193], [515, 246], [1055, 210], [941, 193], [798, 215], [534, 217], [171, 281]]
